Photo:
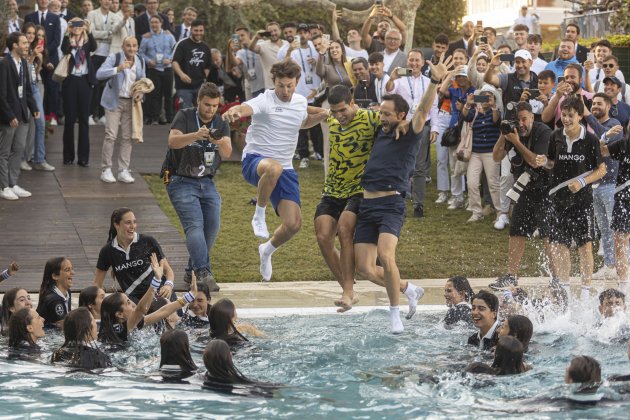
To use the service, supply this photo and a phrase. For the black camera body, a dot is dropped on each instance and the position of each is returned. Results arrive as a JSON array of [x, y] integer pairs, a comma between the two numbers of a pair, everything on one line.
[[508, 126], [215, 133]]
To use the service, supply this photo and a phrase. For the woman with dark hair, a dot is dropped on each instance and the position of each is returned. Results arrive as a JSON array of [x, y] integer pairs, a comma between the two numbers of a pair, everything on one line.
[[76, 89], [458, 295], [222, 375], [199, 309], [25, 328], [91, 297], [79, 347], [338, 70], [175, 358], [128, 254], [13, 300], [518, 326], [119, 316], [484, 310], [55, 298], [508, 356], [223, 324]]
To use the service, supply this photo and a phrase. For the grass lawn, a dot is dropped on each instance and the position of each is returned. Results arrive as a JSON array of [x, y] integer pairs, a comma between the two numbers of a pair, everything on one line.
[[439, 245]]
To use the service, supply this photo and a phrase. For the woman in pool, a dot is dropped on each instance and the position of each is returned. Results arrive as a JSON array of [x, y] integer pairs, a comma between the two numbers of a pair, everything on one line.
[[175, 359], [584, 370], [55, 298], [508, 359], [223, 321], [128, 254], [13, 300], [458, 294], [79, 347], [119, 316], [518, 326], [25, 328], [91, 297], [198, 310], [484, 311]]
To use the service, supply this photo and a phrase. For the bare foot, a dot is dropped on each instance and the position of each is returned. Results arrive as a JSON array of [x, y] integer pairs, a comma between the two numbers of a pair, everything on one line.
[[345, 303]]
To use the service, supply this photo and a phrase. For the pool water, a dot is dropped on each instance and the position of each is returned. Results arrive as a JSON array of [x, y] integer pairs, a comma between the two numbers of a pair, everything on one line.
[[334, 366]]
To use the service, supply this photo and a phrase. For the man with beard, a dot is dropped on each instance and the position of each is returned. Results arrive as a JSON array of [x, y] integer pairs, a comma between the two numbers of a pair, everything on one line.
[[268, 49], [572, 85], [566, 56], [618, 109], [191, 64]]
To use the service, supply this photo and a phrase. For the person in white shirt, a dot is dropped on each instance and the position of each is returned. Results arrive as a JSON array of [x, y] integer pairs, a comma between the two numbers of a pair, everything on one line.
[[610, 66], [182, 31], [533, 46], [530, 21], [277, 116], [353, 49], [377, 68], [125, 26], [250, 63], [603, 49], [268, 49]]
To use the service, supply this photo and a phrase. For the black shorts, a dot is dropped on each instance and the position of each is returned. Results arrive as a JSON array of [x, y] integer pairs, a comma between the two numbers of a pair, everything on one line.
[[621, 215], [575, 223], [380, 215], [531, 212], [333, 207]]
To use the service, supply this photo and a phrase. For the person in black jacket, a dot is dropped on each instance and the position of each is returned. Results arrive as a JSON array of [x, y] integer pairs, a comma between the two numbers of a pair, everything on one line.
[[77, 89], [143, 21], [55, 298], [16, 103]]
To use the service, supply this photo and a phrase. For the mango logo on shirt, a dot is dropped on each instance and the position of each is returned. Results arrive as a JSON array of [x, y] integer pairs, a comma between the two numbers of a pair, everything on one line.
[[129, 264], [575, 158]]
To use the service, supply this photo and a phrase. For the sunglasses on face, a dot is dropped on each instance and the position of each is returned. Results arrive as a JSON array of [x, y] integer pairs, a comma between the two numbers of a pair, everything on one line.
[[608, 66]]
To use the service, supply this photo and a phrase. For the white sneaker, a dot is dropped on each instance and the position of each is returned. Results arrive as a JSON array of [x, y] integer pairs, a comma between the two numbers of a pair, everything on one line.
[[304, 163], [20, 192], [317, 156], [125, 177], [91, 121], [265, 263], [260, 227], [600, 250], [43, 166], [457, 203], [475, 218], [442, 198], [451, 200], [25, 166], [8, 194], [107, 176], [101, 121], [605, 273], [502, 221]]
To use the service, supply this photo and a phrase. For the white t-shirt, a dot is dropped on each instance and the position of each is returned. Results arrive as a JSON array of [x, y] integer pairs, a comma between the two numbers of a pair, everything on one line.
[[275, 127], [388, 59], [379, 87], [269, 57], [351, 53], [538, 65], [598, 74]]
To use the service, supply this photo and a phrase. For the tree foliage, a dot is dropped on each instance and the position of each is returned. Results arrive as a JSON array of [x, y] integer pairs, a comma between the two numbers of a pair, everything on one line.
[[434, 17]]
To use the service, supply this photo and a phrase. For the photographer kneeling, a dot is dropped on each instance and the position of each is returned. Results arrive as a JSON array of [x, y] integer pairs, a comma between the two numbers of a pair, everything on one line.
[[532, 206]]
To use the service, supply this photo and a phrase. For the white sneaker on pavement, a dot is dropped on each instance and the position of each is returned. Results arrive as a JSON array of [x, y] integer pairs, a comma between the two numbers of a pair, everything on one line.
[[20, 192], [107, 176], [502, 221], [91, 121], [8, 194], [442, 198], [101, 121], [43, 166], [125, 177], [25, 166]]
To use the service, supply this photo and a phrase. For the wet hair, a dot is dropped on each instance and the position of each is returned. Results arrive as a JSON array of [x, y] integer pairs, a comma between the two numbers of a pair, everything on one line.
[[547, 74], [605, 97], [375, 57], [175, 350], [400, 104], [490, 298], [521, 328], [521, 27], [220, 317], [111, 304], [524, 106], [7, 302], [209, 89], [217, 359], [53, 266], [480, 368], [286, 68], [577, 28], [611, 293], [338, 94], [77, 327], [584, 369], [203, 288], [17, 328], [441, 39], [88, 296], [157, 303], [461, 284], [508, 356], [115, 219], [573, 102]]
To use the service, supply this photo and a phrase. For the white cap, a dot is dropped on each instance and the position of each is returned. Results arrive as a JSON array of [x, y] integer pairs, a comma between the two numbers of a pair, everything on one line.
[[524, 54], [462, 72]]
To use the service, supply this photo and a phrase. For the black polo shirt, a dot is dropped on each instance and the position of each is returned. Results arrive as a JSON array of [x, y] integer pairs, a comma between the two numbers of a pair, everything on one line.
[[391, 162], [132, 270], [620, 150], [572, 160], [53, 307]]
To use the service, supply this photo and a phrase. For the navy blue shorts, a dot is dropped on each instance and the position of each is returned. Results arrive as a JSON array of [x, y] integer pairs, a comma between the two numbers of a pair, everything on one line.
[[380, 215], [287, 187]]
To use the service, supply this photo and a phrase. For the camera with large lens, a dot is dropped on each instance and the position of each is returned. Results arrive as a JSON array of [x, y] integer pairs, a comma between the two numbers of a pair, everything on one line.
[[521, 183], [508, 126]]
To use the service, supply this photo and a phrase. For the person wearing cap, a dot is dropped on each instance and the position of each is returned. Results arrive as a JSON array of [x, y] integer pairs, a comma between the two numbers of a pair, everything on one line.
[[534, 43], [303, 31], [610, 65], [618, 109]]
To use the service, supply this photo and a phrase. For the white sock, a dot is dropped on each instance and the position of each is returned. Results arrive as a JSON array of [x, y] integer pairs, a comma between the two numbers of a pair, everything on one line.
[[395, 321], [265, 250], [585, 293], [260, 212], [410, 291], [268, 248]]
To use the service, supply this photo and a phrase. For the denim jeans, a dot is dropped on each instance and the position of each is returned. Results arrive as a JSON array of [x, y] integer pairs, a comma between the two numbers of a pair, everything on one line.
[[39, 154], [603, 202], [187, 96], [198, 205]]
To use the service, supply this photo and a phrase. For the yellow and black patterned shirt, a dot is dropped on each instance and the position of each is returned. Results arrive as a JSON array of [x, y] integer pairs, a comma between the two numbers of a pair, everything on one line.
[[350, 148]]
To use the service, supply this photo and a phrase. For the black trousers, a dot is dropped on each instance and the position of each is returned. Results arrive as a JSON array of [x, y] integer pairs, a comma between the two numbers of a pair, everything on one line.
[[96, 109], [317, 138], [51, 93], [77, 96], [163, 83]]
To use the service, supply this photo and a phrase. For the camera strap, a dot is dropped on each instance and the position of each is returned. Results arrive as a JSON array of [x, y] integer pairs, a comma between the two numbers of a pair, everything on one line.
[[622, 187], [567, 182]]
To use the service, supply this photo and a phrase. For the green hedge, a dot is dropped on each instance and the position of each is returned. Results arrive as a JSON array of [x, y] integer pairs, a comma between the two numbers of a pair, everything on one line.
[[615, 40]]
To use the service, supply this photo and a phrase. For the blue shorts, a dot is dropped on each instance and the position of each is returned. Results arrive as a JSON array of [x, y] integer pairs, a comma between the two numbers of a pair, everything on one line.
[[380, 215], [287, 187]]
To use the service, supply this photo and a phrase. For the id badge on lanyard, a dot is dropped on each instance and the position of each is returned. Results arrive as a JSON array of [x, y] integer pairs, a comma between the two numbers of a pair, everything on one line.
[[208, 156]]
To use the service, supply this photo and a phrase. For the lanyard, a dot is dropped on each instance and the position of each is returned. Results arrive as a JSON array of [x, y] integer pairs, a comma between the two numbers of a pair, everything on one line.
[[310, 55], [411, 88], [378, 85], [247, 56], [338, 72]]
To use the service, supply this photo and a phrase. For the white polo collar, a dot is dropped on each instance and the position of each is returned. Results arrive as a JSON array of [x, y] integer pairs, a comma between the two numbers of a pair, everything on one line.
[[126, 251], [489, 334], [571, 143]]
